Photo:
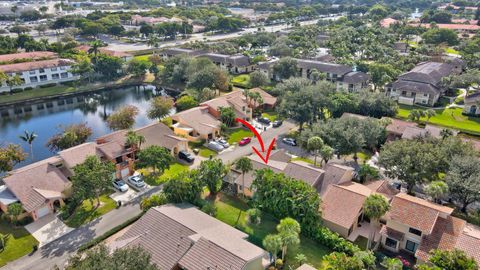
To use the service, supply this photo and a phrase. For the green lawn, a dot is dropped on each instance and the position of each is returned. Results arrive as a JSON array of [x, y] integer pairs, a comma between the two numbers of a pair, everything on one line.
[[242, 80], [236, 134], [206, 152], [452, 118], [451, 50], [18, 244], [143, 57], [232, 211], [37, 92], [155, 180], [307, 160], [86, 213], [270, 115], [361, 242]]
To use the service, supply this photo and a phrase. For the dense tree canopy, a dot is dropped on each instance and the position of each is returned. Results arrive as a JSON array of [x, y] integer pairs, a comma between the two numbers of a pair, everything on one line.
[[69, 136]]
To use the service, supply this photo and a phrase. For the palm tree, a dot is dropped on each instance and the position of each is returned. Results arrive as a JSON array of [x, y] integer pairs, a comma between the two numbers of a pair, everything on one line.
[[272, 243], [429, 114], [415, 115], [289, 231], [94, 48], [134, 140], [374, 207], [246, 94], [29, 137], [244, 165]]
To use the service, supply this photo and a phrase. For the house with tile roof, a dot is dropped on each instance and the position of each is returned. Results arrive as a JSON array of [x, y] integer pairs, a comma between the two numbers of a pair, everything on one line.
[[196, 124], [36, 73], [418, 226], [183, 237], [345, 78], [421, 85], [42, 186]]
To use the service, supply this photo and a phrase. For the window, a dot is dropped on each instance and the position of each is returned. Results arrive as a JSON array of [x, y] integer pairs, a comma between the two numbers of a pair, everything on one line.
[[63, 67], [404, 93], [43, 78], [411, 246], [34, 79], [53, 69], [415, 231], [64, 75], [391, 243], [55, 76], [41, 70], [425, 95], [31, 72]]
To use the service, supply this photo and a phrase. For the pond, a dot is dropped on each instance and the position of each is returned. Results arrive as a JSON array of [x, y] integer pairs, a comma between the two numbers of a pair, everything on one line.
[[46, 118]]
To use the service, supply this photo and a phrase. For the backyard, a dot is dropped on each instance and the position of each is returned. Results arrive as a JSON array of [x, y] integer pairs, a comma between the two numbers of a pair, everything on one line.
[[233, 212], [86, 212], [242, 80], [155, 180], [18, 243], [449, 117]]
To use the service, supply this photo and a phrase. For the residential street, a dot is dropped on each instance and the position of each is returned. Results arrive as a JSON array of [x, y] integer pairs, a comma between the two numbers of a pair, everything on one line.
[[58, 251], [267, 136]]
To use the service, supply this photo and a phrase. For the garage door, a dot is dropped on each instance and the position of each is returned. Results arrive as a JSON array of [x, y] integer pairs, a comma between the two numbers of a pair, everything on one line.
[[125, 172], [43, 212]]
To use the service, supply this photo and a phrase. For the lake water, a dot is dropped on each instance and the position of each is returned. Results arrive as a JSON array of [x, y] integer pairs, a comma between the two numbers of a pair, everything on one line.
[[45, 118]]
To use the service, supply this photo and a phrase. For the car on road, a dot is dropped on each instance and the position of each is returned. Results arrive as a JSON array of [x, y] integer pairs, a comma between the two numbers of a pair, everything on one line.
[[184, 155], [120, 185], [264, 120], [245, 141], [223, 143], [277, 123], [215, 146], [136, 181], [290, 141]]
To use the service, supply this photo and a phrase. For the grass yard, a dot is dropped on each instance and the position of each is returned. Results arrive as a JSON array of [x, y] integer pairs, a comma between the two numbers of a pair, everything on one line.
[[451, 50], [206, 152], [236, 134], [451, 118], [18, 244], [155, 180], [86, 213], [143, 57], [233, 212], [272, 116], [37, 92], [361, 242], [242, 80], [307, 160]]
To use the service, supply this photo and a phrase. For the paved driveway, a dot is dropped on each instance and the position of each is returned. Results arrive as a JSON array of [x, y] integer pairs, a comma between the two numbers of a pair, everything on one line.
[[48, 229]]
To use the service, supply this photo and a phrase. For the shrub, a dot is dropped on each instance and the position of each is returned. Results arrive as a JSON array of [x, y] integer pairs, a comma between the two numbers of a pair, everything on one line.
[[28, 88], [152, 201], [254, 216], [209, 209], [334, 241], [17, 90], [47, 85]]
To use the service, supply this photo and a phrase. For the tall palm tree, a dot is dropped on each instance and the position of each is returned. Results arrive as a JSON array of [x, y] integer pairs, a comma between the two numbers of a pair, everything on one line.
[[134, 140], [244, 165], [289, 231], [374, 207], [94, 48], [29, 137]]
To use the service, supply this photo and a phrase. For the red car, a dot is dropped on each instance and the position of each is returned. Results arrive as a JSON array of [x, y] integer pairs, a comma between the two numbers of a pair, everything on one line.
[[245, 141]]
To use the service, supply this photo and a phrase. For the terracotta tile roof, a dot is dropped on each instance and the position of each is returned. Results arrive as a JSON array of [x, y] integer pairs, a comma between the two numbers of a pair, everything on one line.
[[334, 174], [112, 149], [397, 126], [199, 119], [185, 235], [469, 241], [444, 236], [415, 212], [28, 183], [267, 98], [451, 26], [341, 205], [26, 55], [205, 254], [257, 164], [382, 187], [387, 22], [26, 66], [77, 154], [391, 233], [159, 134], [304, 172]]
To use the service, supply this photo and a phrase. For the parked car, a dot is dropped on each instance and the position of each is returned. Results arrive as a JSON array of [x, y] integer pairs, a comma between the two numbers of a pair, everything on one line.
[[277, 123], [264, 120], [184, 155], [245, 141], [120, 185], [290, 141], [215, 146], [223, 142], [136, 181]]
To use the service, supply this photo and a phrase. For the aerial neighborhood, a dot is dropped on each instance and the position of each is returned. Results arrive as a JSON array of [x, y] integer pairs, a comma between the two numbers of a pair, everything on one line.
[[240, 135]]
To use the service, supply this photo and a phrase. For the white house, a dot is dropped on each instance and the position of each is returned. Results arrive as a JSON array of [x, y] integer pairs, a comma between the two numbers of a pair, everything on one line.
[[38, 73]]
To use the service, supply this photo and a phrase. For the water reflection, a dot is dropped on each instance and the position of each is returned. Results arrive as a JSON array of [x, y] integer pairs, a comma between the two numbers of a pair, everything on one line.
[[92, 108]]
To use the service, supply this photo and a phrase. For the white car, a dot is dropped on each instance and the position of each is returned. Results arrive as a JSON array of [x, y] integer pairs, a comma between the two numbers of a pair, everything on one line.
[[136, 181], [120, 185], [215, 146], [223, 143]]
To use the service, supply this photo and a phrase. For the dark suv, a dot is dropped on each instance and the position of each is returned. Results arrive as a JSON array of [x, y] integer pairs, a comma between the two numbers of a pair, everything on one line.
[[264, 120], [186, 156]]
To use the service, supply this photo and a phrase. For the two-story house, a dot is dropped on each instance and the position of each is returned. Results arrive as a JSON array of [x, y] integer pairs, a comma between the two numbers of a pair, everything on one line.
[[343, 76], [36, 73], [196, 124], [421, 85], [417, 226]]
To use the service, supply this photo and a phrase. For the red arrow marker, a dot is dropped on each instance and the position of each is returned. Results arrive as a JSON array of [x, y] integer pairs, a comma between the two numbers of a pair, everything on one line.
[[260, 140]]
